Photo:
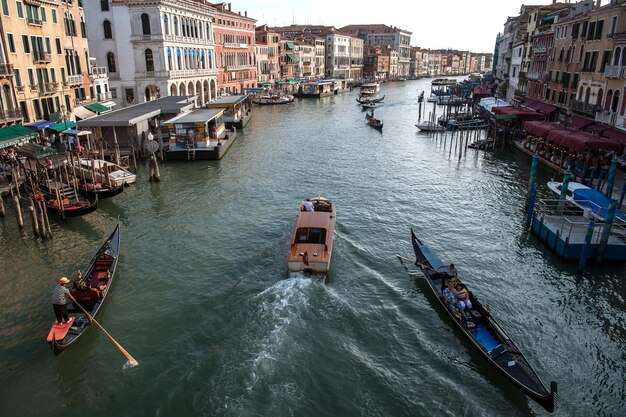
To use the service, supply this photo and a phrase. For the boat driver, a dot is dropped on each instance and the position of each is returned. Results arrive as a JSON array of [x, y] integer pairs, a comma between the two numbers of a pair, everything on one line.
[[307, 205]]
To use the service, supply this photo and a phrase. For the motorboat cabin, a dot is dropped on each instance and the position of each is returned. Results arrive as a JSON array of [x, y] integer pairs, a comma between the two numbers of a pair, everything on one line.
[[369, 89], [312, 237], [198, 134], [236, 110]]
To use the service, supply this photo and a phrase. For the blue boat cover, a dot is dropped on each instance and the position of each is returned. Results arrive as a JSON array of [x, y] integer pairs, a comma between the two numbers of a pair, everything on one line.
[[594, 200], [485, 338], [431, 257]]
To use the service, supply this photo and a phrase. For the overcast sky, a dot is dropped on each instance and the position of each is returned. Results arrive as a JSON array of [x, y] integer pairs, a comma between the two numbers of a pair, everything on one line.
[[457, 24]]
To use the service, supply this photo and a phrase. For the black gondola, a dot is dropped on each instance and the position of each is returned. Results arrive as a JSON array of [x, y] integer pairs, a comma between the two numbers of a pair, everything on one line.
[[484, 333], [370, 100], [66, 203], [97, 278]]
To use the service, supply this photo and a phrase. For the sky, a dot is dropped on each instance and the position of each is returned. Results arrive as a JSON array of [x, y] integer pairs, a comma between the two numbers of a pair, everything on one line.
[[468, 25]]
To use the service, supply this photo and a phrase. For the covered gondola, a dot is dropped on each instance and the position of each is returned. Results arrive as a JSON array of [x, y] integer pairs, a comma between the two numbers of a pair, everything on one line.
[[90, 291], [483, 332]]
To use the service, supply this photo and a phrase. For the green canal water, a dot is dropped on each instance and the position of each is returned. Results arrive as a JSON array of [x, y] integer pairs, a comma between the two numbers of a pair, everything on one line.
[[203, 299]]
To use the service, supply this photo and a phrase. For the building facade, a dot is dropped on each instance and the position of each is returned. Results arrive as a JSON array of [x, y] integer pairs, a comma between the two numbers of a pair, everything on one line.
[[267, 52], [235, 37], [154, 48]]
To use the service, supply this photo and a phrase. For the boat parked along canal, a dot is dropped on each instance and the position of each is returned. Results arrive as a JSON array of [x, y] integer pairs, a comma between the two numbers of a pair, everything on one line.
[[312, 237]]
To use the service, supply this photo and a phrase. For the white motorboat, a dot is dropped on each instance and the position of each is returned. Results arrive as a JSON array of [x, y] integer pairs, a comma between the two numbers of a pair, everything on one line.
[[99, 168]]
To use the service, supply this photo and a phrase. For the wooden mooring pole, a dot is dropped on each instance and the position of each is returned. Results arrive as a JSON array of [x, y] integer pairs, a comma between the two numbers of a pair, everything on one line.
[[2, 211], [18, 211], [33, 217]]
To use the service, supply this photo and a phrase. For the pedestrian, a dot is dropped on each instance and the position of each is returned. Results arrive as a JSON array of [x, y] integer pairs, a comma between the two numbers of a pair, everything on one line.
[[60, 299]]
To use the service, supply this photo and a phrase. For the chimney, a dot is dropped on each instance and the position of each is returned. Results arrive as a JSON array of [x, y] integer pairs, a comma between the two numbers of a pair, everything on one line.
[[229, 7], [599, 4], [245, 13]]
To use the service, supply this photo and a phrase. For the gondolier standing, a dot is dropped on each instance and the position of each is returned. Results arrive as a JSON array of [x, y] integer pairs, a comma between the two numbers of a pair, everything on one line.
[[60, 298]]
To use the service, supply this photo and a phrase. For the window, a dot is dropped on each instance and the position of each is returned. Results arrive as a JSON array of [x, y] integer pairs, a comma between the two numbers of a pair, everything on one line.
[[20, 10], [613, 26], [108, 33], [104, 5], [145, 24], [130, 95], [111, 62], [43, 15], [149, 60], [57, 41], [599, 25], [575, 28], [26, 44], [18, 77], [5, 7], [592, 30], [83, 29], [47, 41], [113, 92], [31, 77]]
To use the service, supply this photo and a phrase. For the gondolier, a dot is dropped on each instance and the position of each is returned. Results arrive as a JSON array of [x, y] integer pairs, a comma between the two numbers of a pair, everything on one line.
[[60, 299]]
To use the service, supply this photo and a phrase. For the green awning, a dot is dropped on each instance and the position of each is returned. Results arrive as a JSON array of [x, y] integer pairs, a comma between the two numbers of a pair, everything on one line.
[[266, 83], [13, 135], [97, 107], [60, 127], [290, 45], [504, 117], [292, 80], [34, 151], [292, 57]]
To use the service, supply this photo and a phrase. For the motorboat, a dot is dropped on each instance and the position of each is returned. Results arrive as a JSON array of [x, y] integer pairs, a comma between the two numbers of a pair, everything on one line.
[[586, 198], [369, 89], [97, 169], [312, 237], [428, 126]]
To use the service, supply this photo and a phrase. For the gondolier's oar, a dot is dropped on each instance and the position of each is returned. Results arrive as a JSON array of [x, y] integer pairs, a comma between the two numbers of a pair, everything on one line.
[[413, 261], [131, 363]]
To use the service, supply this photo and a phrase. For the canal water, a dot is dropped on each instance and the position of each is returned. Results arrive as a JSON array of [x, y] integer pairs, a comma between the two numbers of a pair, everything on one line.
[[203, 299]]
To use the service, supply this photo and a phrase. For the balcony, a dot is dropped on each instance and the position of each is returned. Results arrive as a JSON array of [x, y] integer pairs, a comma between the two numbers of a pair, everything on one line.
[[190, 73], [586, 108], [99, 73], [238, 67], [75, 80], [20, 88], [106, 96], [34, 88], [35, 22], [10, 114], [607, 117], [540, 49], [188, 40], [235, 45], [6, 70], [522, 75], [615, 71], [49, 88], [534, 75], [41, 57]]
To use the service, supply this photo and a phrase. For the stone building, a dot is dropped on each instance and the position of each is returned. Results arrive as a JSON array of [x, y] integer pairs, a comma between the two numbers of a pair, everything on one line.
[[267, 52], [154, 48]]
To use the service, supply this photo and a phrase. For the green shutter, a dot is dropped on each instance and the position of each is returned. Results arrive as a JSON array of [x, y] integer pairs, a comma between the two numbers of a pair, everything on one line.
[[20, 10], [11, 43], [5, 7], [43, 15], [54, 16]]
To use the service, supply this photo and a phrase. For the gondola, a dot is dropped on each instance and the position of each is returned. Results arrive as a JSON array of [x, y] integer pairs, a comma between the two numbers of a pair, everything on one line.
[[375, 123], [97, 278], [66, 203], [101, 190], [483, 332], [369, 100]]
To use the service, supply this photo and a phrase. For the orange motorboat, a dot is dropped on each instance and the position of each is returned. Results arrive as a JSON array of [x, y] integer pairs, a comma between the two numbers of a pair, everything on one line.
[[312, 236]]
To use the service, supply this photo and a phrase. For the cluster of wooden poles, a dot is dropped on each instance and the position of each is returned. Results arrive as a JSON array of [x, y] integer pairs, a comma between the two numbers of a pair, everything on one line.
[[38, 214]]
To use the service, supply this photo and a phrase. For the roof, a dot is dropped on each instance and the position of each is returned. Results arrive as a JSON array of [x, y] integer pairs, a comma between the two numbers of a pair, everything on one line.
[[227, 101], [579, 141], [60, 127], [129, 116], [12, 135], [373, 28], [75, 132], [541, 128], [97, 107], [83, 113], [40, 125], [35, 151], [196, 116]]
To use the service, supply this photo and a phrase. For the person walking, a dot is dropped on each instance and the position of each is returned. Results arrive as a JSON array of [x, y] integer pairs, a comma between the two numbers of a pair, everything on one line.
[[60, 299]]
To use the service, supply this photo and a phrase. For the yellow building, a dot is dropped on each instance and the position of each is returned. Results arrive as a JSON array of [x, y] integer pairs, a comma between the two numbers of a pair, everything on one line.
[[45, 44]]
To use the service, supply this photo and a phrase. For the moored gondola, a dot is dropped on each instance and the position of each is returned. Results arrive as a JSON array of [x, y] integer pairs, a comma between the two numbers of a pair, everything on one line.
[[61, 199], [483, 332], [101, 190], [90, 292]]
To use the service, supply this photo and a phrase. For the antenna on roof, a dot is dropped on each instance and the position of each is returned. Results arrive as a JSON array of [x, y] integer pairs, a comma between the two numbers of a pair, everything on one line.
[[293, 17]]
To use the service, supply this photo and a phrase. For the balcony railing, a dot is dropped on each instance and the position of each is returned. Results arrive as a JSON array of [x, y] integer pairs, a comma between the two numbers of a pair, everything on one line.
[[34, 21], [6, 70], [186, 39], [49, 88], [75, 79], [106, 96], [10, 114], [606, 116], [20, 88], [235, 45], [582, 107], [99, 73], [179, 73], [615, 71], [620, 121], [34, 88], [41, 57], [534, 75], [238, 67], [539, 49]]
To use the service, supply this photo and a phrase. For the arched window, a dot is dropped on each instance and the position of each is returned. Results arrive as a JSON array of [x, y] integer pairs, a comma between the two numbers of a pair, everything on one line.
[[149, 61], [108, 33], [145, 24], [111, 62], [166, 25]]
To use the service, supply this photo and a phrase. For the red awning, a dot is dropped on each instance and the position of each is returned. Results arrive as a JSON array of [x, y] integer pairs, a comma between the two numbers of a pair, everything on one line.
[[596, 128], [541, 128], [547, 108], [578, 122], [532, 104], [616, 135], [579, 141], [515, 111], [482, 90]]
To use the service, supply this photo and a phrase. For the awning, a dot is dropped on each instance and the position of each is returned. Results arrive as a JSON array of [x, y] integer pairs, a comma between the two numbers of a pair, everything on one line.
[[108, 104], [290, 45], [596, 128], [541, 128], [40, 125], [515, 111], [547, 108], [266, 83], [83, 113], [532, 104], [97, 108], [578, 122], [293, 58], [615, 134], [12, 135], [60, 127], [76, 132], [482, 90], [580, 141], [35, 151]]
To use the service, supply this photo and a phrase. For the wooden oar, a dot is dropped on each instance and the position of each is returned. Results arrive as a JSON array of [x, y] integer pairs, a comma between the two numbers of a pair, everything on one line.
[[413, 261], [131, 363]]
